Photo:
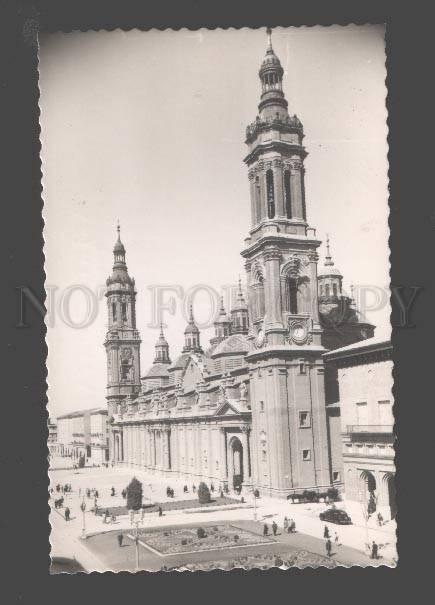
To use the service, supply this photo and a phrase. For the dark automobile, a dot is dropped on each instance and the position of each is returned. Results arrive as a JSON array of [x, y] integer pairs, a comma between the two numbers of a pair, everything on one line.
[[335, 515]]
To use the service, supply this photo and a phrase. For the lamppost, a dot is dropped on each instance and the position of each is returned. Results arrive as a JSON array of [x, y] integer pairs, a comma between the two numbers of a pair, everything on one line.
[[136, 538], [83, 509], [365, 511], [255, 490]]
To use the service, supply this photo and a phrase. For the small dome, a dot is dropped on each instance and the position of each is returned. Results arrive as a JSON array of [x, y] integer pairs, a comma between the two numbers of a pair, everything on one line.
[[329, 271]]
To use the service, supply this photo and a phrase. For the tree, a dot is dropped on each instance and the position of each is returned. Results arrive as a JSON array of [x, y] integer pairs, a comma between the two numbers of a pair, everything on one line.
[[134, 494], [203, 493]]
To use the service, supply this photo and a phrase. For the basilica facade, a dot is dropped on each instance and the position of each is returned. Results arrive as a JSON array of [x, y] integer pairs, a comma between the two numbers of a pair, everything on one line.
[[256, 407]]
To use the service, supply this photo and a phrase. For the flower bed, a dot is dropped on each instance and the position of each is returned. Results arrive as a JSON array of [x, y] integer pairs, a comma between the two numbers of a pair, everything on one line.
[[298, 559], [196, 539], [171, 505]]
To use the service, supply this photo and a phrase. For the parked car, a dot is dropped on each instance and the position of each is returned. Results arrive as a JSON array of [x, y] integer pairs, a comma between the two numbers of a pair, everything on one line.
[[335, 515]]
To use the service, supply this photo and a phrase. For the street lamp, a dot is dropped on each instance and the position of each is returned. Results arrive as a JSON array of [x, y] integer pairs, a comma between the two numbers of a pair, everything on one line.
[[83, 509], [136, 538]]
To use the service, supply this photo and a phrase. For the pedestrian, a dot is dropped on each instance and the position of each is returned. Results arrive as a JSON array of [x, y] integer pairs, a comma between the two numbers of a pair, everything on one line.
[[375, 549], [328, 547], [185, 489], [212, 488], [194, 488], [326, 533], [106, 515], [293, 527], [160, 511], [221, 494], [96, 493], [274, 528], [265, 530], [112, 491], [120, 539], [336, 539], [380, 520], [67, 514], [285, 524]]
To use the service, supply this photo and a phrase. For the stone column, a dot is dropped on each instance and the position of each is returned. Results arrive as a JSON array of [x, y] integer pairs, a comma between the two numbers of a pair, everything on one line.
[[142, 445], [279, 189], [272, 293], [314, 306], [296, 189], [252, 187], [246, 465]]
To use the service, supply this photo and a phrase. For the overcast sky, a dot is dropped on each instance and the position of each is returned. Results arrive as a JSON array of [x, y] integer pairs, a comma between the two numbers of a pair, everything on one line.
[[148, 128]]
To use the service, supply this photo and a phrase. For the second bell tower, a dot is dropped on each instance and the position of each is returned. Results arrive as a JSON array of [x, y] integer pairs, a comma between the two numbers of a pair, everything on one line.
[[288, 407]]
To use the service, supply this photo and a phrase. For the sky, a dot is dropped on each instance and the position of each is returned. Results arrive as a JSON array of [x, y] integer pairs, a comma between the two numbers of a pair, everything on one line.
[[148, 128]]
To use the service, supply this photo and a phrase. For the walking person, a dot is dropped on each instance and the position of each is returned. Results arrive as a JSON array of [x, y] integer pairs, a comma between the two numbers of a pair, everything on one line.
[[120, 539], [160, 511], [380, 520], [326, 533], [336, 539], [293, 527], [375, 549], [328, 547], [274, 528], [67, 514], [265, 530], [285, 525]]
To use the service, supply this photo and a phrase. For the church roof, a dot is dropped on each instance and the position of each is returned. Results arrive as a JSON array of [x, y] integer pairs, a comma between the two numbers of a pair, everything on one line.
[[181, 362], [157, 370], [236, 344]]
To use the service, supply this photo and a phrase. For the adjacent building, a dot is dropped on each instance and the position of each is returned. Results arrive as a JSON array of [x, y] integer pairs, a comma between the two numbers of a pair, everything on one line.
[[365, 382], [84, 433], [253, 408]]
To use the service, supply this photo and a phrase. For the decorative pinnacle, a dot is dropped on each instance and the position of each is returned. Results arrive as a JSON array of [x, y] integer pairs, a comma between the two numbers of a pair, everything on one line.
[[328, 257], [191, 320], [269, 39], [161, 330], [222, 309], [118, 228], [352, 293]]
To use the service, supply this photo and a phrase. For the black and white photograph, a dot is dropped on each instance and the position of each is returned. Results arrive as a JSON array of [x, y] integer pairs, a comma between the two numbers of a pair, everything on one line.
[[216, 246]]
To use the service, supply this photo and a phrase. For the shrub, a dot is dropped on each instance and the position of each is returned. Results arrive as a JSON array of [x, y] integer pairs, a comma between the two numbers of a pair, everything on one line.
[[183, 542], [200, 532], [134, 494], [203, 493]]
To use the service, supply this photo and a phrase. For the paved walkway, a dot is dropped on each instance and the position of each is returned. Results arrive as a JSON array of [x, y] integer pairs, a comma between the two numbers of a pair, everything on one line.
[[65, 538]]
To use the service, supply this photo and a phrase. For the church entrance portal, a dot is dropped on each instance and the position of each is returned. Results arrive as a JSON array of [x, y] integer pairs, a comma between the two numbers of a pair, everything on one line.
[[236, 452]]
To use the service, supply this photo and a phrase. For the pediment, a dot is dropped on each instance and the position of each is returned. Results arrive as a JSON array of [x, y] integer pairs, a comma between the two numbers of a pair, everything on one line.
[[226, 409]]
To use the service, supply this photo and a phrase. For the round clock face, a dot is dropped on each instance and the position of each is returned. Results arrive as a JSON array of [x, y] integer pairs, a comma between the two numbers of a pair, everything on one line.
[[299, 333]]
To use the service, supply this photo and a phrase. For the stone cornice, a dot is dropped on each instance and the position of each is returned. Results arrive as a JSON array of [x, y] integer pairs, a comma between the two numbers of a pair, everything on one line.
[[280, 238], [274, 145]]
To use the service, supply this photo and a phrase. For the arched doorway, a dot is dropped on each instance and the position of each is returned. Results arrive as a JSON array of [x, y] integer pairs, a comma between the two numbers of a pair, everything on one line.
[[236, 452]]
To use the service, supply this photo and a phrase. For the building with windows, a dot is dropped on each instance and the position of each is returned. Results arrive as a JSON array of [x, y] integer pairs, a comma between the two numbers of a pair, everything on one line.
[[84, 433], [52, 441], [252, 409], [364, 374]]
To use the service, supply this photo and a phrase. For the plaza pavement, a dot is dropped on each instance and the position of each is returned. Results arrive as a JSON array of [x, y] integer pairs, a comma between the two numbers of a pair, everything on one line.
[[65, 536]]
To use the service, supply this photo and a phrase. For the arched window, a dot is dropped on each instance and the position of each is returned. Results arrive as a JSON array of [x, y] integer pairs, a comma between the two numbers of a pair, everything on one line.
[[114, 311], [270, 194], [334, 289], [287, 193], [292, 296], [327, 290], [124, 311]]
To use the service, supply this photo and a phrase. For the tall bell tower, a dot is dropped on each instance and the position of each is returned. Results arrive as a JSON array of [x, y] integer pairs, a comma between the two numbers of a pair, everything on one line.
[[287, 382], [122, 342]]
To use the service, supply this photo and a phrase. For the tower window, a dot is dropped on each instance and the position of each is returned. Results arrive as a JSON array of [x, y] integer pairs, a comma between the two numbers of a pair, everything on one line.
[[322, 290], [327, 290], [334, 289], [304, 420], [306, 455], [293, 295], [270, 194], [287, 193], [124, 311], [114, 311]]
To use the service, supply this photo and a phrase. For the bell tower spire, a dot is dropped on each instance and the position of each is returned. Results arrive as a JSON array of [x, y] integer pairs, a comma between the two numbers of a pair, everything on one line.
[[122, 341], [281, 264]]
